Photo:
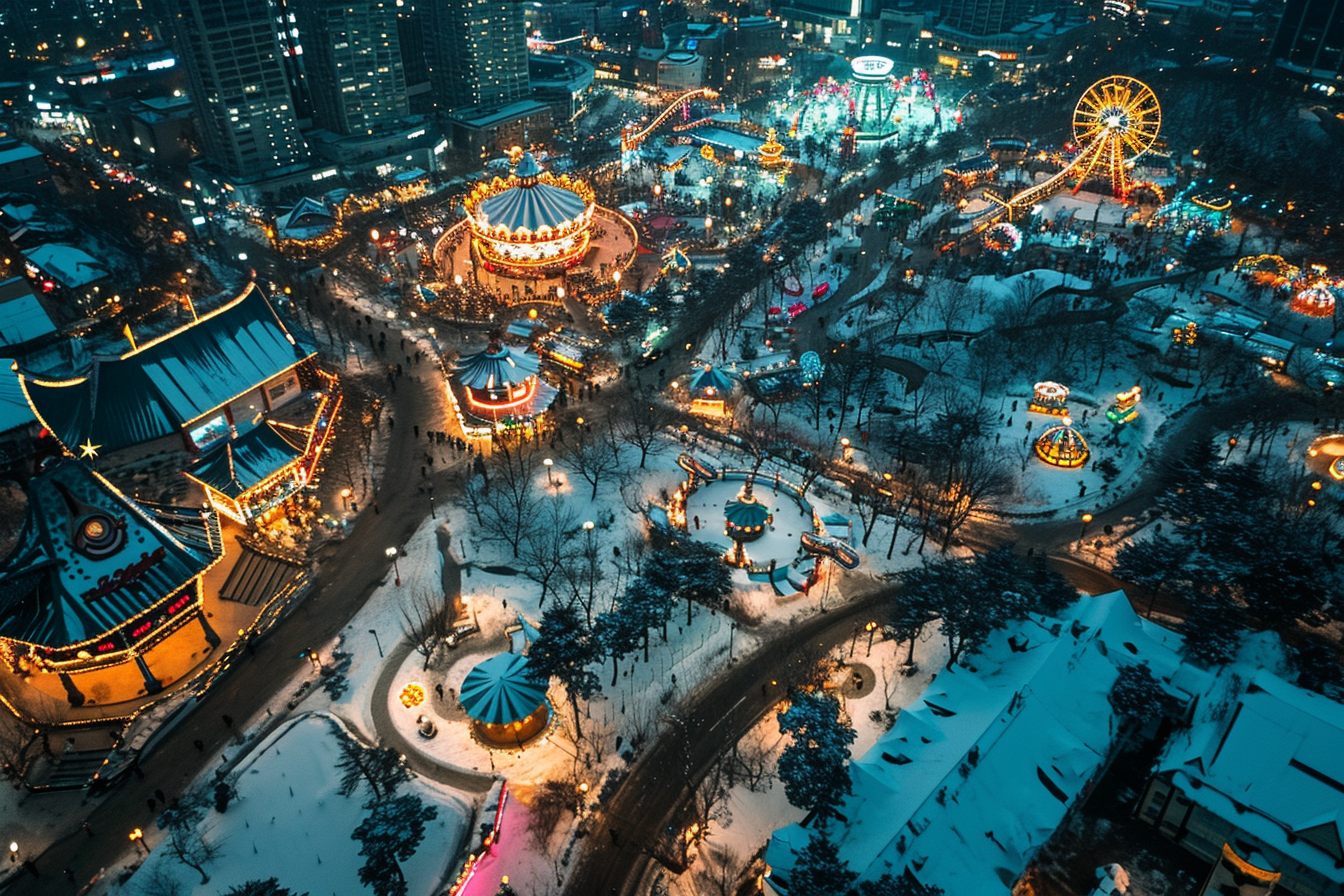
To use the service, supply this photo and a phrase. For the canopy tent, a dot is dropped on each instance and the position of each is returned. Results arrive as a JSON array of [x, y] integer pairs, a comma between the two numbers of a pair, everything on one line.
[[501, 691], [710, 381]]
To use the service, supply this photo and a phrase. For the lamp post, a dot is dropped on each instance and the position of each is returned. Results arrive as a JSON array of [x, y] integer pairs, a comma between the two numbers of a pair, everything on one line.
[[432, 515], [374, 632], [137, 837], [550, 478], [13, 853], [732, 632], [592, 560], [393, 552], [872, 630], [847, 450], [345, 494], [1231, 446], [616, 278], [1087, 518]]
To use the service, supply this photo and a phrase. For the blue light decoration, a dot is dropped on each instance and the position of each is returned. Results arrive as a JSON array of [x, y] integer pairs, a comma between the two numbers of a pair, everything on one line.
[[811, 367]]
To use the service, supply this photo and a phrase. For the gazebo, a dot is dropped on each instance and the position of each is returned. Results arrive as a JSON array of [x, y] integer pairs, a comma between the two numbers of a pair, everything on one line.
[[500, 387], [1062, 446], [709, 389], [745, 520], [506, 705]]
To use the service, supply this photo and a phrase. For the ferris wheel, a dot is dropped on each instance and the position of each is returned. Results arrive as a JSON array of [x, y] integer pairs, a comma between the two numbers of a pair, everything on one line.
[[1115, 122]]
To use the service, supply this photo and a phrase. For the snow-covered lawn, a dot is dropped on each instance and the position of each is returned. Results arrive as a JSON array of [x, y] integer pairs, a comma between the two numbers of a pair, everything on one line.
[[290, 823]]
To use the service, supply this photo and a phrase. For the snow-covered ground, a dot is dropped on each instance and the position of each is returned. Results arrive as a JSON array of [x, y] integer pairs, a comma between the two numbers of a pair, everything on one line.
[[289, 822]]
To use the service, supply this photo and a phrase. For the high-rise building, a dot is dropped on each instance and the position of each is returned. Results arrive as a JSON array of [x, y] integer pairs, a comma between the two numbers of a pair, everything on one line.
[[1310, 39], [354, 66], [477, 53], [233, 60], [982, 18]]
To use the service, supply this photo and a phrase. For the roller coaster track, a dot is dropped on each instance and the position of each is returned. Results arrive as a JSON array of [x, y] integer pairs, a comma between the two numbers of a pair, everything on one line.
[[631, 140], [1079, 168]]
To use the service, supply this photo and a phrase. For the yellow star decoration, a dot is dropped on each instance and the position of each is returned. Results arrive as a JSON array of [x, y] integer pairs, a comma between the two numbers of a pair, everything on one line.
[[88, 449]]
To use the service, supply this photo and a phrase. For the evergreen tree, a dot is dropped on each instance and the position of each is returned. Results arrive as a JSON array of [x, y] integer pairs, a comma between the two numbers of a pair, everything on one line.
[[905, 885], [379, 767], [564, 650], [269, 887], [815, 765], [388, 836], [694, 573], [819, 870], [1137, 694]]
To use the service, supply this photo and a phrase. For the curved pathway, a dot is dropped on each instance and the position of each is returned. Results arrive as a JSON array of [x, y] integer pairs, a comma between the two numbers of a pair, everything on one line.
[[389, 736]]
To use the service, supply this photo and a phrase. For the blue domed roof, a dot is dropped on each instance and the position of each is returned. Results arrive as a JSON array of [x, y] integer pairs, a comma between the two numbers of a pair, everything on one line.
[[745, 512], [501, 690], [710, 381], [530, 204], [497, 367]]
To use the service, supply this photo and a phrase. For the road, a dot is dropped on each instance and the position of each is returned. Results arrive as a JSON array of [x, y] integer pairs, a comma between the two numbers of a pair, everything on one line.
[[347, 576], [649, 800]]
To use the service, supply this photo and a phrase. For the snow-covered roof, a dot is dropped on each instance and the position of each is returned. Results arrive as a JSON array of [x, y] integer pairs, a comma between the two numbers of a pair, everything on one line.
[[89, 558], [22, 317], [710, 381], [14, 409], [71, 266], [305, 220], [246, 461], [166, 383], [498, 367], [977, 774], [1269, 760]]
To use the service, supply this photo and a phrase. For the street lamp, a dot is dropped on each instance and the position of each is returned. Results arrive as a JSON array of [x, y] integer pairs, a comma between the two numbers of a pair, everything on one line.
[[592, 560], [13, 852], [457, 280], [1087, 518], [847, 449], [345, 493], [137, 837], [550, 479], [560, 293], [393, 552], [872, 630], [373, 235], [616, 278], [374, 632]]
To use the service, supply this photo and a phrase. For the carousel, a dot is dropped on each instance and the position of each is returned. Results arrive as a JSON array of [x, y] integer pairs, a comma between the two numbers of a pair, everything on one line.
[[745, 519], [532, 224], [498, 388], [1063, 446], [506, 704]]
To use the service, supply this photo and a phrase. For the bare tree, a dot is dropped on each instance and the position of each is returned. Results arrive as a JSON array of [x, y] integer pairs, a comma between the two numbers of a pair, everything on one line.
[[979, 482], [158, 879], [595, 454], [426, 619], [719, 871], [547, 544], [550, 802], [185, 841], [504, 499], [643, 418]]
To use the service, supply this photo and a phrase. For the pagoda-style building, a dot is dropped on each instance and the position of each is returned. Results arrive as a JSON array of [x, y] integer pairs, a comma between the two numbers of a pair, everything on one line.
[[97, 580], [499, 389]]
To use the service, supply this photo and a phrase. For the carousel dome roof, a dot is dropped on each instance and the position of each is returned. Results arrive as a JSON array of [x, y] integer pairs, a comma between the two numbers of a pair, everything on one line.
[[501, 690], [710, 381], [744, 512], [495, 368], [530, 203], [1062, 446]]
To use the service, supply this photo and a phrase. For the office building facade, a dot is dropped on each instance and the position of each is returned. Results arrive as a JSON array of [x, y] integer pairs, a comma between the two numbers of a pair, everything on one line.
[[353, 60], [477, 53]]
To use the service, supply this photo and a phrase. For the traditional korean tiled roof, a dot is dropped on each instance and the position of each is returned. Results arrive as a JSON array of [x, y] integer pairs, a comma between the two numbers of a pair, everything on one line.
[[246, 461], [89, 558], [158, 388]]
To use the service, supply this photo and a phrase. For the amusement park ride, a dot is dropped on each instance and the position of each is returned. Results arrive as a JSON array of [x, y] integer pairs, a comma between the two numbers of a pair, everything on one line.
[[1115, 122], [631, 136]]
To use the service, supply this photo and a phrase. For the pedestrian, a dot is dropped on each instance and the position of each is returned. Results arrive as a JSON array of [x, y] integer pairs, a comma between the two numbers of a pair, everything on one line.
[[70, 875], [438, 688], [228, 720], [88, 830], [697, 523], [151, 804], [198, 744], [159, 795], [416, 429]]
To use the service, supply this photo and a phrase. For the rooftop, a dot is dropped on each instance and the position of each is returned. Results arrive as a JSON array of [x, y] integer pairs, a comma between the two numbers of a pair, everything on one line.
[[22, 318], [166, 383], [70, 266], [89, 559]]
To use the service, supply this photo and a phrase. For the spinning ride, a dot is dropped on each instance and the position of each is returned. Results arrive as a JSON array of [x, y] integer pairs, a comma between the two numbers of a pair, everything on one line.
[[1116, 121], [532, 224]]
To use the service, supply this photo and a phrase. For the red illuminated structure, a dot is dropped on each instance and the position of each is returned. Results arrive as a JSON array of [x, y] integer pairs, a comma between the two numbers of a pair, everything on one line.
[[97, 579], [498, 388]]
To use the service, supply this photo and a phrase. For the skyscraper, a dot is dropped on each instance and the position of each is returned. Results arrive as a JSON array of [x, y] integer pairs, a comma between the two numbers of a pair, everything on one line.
[[477, 53], [1310, 39], [354, 66], [232, 56], [982, 18]]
